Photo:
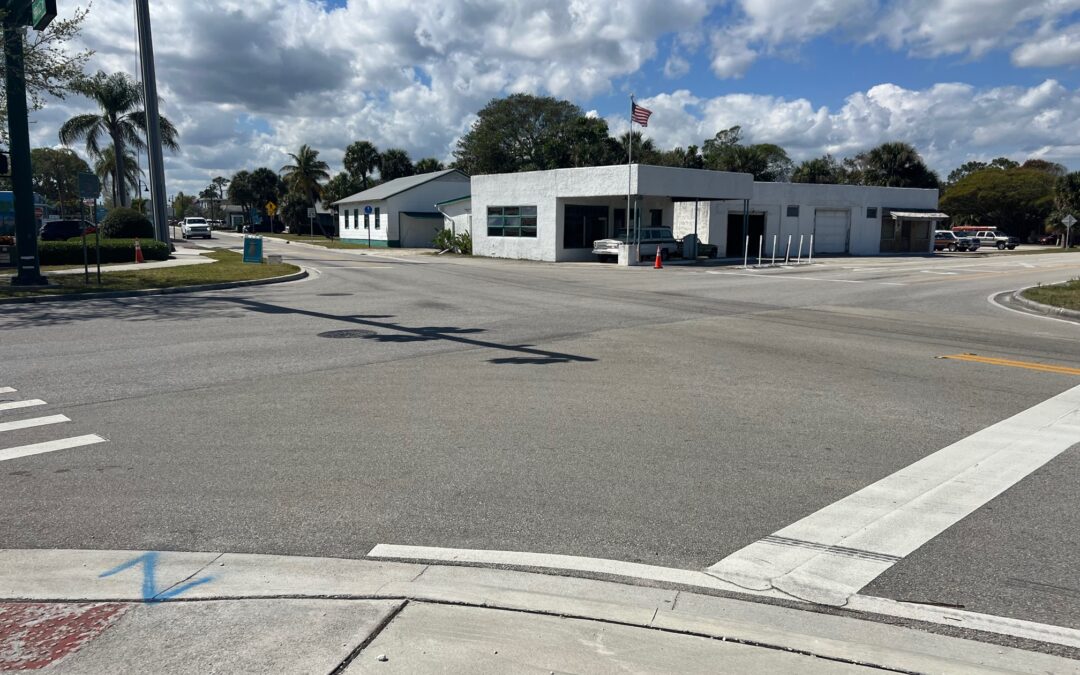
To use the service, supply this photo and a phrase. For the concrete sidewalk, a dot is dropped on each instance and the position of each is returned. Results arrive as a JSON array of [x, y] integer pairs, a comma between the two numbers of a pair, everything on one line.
[[125, 611], [183, 255]]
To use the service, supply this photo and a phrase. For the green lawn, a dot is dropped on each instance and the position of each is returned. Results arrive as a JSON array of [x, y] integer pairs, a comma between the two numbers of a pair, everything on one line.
[[318, 240], [1061, 295], [229, 267]]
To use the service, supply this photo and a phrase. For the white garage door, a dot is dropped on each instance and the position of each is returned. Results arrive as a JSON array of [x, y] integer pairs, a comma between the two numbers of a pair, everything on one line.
[[831, 231]]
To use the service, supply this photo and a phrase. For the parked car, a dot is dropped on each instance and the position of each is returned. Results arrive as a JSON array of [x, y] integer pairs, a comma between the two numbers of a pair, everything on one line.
[[1049, 239], [947, 240], [707, 250], [62, 230], [652, 238], [195, 227], [987, 237]]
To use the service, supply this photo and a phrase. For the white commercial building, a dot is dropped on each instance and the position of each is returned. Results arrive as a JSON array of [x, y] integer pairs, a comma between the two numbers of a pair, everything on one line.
[[854, 219], [556, 215], [400, 212]]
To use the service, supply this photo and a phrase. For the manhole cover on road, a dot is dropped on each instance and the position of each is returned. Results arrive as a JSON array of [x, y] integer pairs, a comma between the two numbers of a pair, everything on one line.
[[347, 333]]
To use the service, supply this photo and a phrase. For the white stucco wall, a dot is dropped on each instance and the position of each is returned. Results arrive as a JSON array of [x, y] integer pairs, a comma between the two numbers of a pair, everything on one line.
[[421, 198], [457, 216], [772, 199]]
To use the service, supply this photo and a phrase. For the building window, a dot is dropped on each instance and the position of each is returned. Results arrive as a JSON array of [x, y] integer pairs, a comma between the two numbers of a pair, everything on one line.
[[871, 212], [511, 221], [656, 218], [367, 221], [377, 218], [584, 224], [888, 229], [793, 211], [356, 219]]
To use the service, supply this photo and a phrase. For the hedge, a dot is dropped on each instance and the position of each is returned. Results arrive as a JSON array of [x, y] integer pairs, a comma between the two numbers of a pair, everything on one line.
[[124, 222], [112, 251]]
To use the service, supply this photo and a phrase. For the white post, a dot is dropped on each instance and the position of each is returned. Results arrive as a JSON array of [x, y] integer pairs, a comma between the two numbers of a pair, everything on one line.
[[787, 254], [760, 248], [746, 254], [773, 251], [799, 260], [810, 260]]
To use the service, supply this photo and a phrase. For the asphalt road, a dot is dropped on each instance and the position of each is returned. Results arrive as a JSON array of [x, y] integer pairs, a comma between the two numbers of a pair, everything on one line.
[[667, 417]]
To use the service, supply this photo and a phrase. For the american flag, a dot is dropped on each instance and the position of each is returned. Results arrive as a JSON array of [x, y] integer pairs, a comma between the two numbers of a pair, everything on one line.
[[640, 115]]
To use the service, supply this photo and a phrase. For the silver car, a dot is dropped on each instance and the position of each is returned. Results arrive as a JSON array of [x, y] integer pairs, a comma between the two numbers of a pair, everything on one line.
[[652, 238]]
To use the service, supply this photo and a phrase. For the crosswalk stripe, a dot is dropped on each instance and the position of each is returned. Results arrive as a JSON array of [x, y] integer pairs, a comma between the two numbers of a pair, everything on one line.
[[33, 422], [831, 554], [49, 446], [14, 405], [7, 390]]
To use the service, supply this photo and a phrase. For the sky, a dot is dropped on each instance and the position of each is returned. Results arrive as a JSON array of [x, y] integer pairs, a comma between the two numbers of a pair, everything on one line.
[[247, 82]]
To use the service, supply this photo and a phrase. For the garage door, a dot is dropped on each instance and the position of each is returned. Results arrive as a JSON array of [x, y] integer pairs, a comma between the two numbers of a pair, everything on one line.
[[831, 231], [417, 230]]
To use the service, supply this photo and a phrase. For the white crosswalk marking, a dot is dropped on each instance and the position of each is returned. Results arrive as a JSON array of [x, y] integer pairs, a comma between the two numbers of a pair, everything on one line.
[[6, 390], [33, 422], [831, 554], [14, 405], [49, 446]]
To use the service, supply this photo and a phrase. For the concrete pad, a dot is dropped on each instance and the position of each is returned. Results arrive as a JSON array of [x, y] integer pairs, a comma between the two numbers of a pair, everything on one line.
[[235, 636], [60, 574], [571, 587], [250, 575], [874, 634], [446, 639]]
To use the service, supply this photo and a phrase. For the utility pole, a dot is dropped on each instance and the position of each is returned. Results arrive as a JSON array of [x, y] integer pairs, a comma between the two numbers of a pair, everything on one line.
[[153, 120], [17, 17]]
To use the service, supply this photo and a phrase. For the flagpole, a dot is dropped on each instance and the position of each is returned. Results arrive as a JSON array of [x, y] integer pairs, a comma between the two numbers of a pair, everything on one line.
[[629, 169]]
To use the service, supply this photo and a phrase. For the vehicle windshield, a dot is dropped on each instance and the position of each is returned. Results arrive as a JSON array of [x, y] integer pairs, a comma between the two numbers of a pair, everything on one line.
[[196, 221]]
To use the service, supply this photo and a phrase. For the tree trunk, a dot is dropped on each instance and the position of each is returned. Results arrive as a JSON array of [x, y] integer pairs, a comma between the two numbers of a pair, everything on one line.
[[120, 178]]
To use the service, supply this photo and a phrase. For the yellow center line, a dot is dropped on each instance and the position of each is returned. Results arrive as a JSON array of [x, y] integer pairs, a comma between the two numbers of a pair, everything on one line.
[[1042, 367]]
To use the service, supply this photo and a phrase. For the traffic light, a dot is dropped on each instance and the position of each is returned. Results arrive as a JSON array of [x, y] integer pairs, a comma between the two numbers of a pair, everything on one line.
[[5, 165]]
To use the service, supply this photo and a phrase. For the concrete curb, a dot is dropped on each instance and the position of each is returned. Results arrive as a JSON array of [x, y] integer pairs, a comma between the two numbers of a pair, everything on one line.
[[296, 276], [66, 576], [1040, 308]]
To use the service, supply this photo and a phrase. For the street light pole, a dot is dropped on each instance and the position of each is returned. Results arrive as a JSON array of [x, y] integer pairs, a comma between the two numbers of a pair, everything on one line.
[[153, 120]]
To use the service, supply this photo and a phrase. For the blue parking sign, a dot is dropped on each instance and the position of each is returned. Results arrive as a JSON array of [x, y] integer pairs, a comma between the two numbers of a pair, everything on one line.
[[253, 249]]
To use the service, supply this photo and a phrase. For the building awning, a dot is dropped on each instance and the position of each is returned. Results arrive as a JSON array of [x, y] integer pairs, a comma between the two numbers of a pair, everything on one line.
[[916, 215]]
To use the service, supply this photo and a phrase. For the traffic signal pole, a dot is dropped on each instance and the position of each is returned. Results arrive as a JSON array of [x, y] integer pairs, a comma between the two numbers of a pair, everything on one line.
[[26, 236], [153, 123]]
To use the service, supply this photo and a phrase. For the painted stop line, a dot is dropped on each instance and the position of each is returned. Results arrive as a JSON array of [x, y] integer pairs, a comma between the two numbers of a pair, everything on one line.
[[831, 554]]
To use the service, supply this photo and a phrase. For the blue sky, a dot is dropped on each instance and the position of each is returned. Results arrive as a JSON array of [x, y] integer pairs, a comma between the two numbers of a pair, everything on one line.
[[248, 81]]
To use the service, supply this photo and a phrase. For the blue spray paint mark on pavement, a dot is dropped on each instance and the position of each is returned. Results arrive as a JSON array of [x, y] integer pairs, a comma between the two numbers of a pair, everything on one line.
[[149, 587]]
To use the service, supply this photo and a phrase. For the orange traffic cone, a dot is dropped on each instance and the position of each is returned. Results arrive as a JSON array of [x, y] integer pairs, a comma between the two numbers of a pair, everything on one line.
[[658, 265], [138, 252]]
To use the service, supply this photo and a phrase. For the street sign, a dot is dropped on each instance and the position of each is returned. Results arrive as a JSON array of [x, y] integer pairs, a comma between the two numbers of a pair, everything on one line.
[[311, 212], [89, 185], [253, 248], [367, 210], [1069, 220], [44, 11], [271, 208]]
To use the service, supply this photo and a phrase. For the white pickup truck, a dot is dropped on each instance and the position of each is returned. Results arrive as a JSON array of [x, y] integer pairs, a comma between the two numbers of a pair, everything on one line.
[[195, 227]]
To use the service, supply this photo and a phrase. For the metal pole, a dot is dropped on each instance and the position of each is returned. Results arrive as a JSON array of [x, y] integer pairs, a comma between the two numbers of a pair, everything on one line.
[[629, 175], [746, 217], [695, 228], [97, 242], [746, 254], [22, 189], [810, 260], [787, 254], [773, 250], [760, 248], [799, 261], [153, 121], [82, 230]]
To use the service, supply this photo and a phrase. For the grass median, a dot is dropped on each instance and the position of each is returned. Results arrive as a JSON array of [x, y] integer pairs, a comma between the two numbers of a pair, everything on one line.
[[1065, 295], [229, 267]]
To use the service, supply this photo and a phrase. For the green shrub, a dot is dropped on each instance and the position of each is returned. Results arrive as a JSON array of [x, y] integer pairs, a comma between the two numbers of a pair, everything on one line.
[[446, 240], [112, 251], [126, 223]]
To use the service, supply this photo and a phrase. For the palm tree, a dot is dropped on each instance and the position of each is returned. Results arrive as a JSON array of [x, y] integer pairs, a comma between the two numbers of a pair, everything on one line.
[[361, 160], [121, 118], [303, 176], [395, 163], [105, 168]]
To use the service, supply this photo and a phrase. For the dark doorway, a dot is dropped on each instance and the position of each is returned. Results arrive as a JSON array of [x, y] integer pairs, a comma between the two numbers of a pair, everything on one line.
[[582, 225], [735, 238]]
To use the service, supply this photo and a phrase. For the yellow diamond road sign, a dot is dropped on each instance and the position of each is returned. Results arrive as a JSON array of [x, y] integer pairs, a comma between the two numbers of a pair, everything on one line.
[[271, 208]]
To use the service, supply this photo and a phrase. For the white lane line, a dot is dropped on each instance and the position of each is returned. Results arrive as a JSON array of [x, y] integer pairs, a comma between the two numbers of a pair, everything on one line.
[[15, 405], [833, 553], [7, 390], [49, 446], [557, 562], [33, 422], [788, 277], [955, 618]]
